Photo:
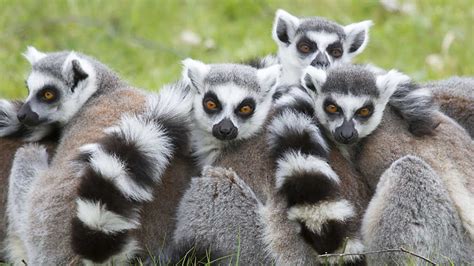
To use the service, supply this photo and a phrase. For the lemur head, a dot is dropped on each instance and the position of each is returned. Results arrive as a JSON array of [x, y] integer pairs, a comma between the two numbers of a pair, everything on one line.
[[59, 84], [316, 41], [350, 100], [231, 101]]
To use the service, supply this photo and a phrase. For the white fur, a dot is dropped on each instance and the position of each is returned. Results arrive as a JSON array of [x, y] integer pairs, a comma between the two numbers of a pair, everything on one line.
[[387, 84], [289, 121], [352, 30], [315, 215], [291, 22], [83, 91], [352, 246], [113, 169], [9, 119], [316, 76], [268, 77], [33, 55], [194, 72], [150, 138], [294, 163], [96, 216], [205, 146]]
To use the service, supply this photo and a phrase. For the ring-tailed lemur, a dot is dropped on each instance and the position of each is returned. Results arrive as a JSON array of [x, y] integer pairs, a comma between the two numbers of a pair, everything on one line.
[[349, 103], [230, 104], [51, 197]]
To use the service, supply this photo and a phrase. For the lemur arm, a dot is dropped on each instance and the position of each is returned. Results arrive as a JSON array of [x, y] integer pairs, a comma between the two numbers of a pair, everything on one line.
[[304, 176]]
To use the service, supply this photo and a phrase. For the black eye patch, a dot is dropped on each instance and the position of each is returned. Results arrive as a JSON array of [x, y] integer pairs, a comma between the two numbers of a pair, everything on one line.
[[306, 46], [365, 112], [246, 108], [48, 94], [335, 49], [331, 108], [211, 103]]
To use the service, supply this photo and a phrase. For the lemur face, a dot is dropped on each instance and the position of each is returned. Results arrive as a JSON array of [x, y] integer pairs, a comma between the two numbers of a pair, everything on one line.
[[231, 101], [316, 41], [54, 85], [350, 100]]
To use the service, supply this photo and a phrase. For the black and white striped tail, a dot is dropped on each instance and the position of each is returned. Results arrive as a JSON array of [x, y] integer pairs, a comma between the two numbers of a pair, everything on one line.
[[120, 172], [305, 178], [12, 128]]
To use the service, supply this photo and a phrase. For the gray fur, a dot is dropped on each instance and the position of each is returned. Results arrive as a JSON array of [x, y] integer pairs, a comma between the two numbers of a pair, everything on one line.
[[240, 75], [455, 97], [30, 160], [320, 24], [234, 207], [411, 209], [350, 79]]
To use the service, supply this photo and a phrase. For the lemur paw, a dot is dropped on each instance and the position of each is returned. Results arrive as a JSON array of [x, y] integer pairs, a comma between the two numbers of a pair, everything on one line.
[[32, 155], [8, 121]]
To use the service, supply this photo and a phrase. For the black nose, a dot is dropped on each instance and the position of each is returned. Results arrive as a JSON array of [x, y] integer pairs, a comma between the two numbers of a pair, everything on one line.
[[321, 61], [27, 116], [346, 133], [225, 130]]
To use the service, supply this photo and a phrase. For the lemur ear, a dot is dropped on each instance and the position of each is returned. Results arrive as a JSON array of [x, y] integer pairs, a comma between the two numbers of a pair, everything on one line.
[[284, 27], [357, 36], [33, 55], [268, 77], [75, 70], [388, 83], [313, 79], [194, 72]]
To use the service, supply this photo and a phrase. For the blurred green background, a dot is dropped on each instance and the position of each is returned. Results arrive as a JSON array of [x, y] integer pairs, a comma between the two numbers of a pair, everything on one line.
[[144, 40]]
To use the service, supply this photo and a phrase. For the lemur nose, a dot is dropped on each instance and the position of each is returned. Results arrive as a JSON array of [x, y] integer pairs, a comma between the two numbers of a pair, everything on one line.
[[225, 130], [320, 61], [21, 117]]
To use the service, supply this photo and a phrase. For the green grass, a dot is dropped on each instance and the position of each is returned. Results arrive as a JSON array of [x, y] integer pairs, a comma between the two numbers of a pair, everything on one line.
[[141, 39]]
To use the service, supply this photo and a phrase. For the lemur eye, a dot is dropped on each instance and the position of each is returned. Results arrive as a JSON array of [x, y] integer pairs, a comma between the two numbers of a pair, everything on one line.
[[246, 109], [331, 108], [364, 112], [47, 95], [304, 48], [211, 105], [336, 52]]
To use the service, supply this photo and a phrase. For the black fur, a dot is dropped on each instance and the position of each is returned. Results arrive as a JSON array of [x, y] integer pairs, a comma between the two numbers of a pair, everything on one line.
[[295, 141], [177, 130], [138, 165], [79, 74], [97, 188], [309, 188], [96, 245], [299, 106], [330, 238]]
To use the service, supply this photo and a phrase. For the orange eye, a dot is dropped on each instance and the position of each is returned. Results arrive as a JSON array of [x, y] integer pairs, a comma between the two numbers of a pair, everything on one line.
[[304, 48], [331, 108], [48, 95], [364, 112], [211, 105], [336, 52], [246, 109]]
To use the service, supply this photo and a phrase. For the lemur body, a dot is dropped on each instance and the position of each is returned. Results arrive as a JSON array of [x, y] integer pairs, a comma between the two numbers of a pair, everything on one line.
[[349, 104], [44, 225], [455, 97]]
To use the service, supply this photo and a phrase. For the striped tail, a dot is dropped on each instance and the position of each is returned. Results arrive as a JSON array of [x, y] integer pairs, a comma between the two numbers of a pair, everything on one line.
[[120, 172], [11, 127], [304, 177]]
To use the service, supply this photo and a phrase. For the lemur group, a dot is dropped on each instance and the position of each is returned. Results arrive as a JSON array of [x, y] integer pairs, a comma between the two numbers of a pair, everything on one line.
[[287, 160]]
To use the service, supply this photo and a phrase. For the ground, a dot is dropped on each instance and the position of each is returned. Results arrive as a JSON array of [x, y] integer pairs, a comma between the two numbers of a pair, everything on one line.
[[145, 40]]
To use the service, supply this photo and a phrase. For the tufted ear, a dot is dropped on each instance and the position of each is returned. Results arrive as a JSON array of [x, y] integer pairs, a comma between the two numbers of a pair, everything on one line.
[[75, 70], [284, 27], [357, 36], [268, 77], [194, 72], [313, 79], [33, 55], [388, 83]]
